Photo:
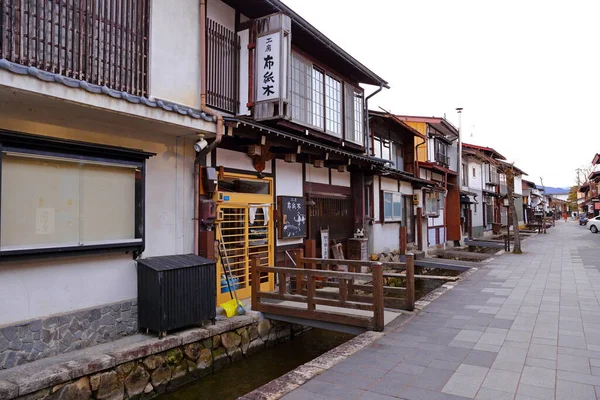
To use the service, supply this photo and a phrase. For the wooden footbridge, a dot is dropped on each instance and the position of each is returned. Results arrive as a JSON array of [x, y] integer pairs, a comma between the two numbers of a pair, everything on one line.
[[344, 295]]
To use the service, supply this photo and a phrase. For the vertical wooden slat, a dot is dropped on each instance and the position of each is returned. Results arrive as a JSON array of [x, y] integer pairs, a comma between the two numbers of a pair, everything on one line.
[[410, 283], [146, 46], [81, 36], [282, 282], [43, 38], [254, 264], [402, 240], [299, 260], [378, 301], [310, 292], [2, 28]]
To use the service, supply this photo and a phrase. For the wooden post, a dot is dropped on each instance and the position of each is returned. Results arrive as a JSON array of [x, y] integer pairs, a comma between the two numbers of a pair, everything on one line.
[[402, 240], [378, 302], [470, 223], [343, 291], [410, 283], [299, 259], [310, 292], [254, 264], [310, 251], [419, 228]]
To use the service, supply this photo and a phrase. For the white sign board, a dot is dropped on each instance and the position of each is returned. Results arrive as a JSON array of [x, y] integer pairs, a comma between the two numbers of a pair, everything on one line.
[[325, 243], [268, 66]]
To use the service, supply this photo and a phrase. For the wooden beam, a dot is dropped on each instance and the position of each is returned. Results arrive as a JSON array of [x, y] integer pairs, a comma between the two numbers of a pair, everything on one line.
[[326, 316], [315, 272], [378, 303]]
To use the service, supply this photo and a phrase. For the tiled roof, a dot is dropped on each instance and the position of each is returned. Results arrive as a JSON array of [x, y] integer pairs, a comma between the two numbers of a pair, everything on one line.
[[103, 90]]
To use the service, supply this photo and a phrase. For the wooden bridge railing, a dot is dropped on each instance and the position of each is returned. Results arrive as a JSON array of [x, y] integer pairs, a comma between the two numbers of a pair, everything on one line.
[[357, 290]]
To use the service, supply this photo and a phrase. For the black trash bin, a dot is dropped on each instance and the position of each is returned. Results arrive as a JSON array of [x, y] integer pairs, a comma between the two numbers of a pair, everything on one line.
[[175, 291]]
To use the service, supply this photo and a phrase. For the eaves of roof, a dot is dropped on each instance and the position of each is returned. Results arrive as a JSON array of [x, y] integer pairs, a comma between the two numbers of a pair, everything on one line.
[[398, 122], [77, 84], [596, 159], [493, 153], [303, 141]]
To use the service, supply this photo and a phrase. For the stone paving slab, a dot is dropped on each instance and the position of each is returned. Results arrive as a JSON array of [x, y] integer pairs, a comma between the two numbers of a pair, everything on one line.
[[521, 327]]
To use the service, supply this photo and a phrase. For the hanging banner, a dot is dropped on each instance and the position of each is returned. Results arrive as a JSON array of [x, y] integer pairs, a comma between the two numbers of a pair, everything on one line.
[[269, 64], [325, 243]]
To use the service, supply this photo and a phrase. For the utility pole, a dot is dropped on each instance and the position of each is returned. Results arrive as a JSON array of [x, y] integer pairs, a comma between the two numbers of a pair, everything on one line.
[[459, 163], [543, 206]]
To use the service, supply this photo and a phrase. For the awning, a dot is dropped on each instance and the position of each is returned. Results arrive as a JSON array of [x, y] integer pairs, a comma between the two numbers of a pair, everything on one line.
[[304, 142]]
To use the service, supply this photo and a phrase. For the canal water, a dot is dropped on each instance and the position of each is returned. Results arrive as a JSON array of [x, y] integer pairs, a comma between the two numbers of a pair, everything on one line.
[[251, 373]]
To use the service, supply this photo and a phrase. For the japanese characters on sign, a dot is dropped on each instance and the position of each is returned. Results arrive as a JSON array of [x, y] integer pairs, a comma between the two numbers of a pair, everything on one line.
[[293, 217], [268, 67]]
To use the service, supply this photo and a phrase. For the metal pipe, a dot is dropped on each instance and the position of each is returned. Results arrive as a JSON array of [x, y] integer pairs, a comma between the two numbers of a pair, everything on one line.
[[368, 129], [219, 132]]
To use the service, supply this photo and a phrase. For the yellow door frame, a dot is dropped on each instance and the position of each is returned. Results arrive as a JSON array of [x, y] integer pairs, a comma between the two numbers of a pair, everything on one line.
[[244, 201]]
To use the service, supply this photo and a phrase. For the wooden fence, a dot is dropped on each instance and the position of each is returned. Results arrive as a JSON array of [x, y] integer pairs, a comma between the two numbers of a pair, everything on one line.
[[356, 290]]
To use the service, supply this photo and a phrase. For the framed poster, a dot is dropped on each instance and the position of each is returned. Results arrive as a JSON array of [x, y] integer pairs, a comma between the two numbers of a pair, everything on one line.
[[292, 212]]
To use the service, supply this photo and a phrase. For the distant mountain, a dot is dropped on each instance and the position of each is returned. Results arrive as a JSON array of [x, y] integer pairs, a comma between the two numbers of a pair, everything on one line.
[[557, 190]]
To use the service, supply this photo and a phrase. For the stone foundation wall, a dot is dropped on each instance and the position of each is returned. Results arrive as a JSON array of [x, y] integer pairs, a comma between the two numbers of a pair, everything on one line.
[[150, 370], [47, 337]]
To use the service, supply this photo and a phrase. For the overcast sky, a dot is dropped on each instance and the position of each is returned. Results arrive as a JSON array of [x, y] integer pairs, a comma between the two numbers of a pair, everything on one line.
[[527, 73]]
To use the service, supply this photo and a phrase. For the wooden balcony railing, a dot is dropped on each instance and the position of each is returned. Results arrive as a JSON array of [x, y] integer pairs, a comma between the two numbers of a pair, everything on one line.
[[355, 291], [104, 42]]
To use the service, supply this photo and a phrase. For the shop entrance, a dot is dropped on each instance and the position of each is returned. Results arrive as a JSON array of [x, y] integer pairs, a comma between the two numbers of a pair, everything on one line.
[[245, 230]]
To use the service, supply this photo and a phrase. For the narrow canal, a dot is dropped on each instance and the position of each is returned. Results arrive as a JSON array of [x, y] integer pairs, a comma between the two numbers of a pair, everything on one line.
[[243, 377]]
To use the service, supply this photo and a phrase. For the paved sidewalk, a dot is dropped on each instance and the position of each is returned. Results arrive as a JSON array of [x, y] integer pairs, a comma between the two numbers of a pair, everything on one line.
[[522, 327]]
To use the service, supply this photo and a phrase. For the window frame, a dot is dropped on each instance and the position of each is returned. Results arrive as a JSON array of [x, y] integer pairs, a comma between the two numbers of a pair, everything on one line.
[[309, 92], [392, 218], [73, 151], [427, 196]]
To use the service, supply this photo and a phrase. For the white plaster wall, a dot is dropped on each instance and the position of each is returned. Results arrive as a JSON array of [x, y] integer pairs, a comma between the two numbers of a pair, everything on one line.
[[340, 178], [389, 184], [288, 182], [376, 195], [44, 287], [220, 13], [174, 58], [317, 175], [385, 237], [475, 182], [238, 160], [406, 188]]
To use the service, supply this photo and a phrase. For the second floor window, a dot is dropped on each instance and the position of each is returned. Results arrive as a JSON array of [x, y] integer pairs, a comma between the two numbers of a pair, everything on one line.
[[441, 152], [333, 106], [325, 103], [465, 172]]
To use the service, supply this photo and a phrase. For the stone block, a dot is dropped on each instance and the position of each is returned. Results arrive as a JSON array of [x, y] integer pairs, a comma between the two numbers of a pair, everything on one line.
[[253, 332], [74, 326], [136, 381], [264, 327], [216, 341], [95, 315], [125, 369], [35, 326], [107, 320], [126, 306], [205, 360], [32, 379], [154, 361], [88, 365], [192, 350], [179, 370], [193, 335], [110, 386], [245, 341], [64, 320], [15, 344], [77, 390], [161, 375], [8, 390], [231, 340], [50, 322], [173, 356]]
